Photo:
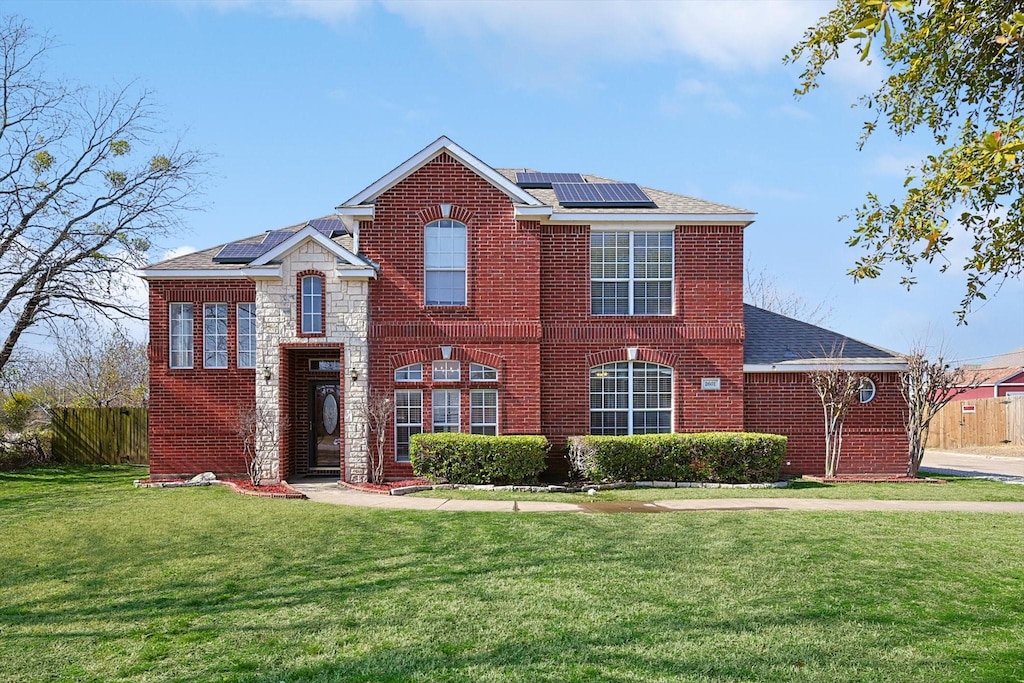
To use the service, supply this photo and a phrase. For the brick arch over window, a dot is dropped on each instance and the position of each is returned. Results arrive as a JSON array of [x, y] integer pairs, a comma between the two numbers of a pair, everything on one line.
[[433, 213], [299, 277], [644, 355], [429, 354]]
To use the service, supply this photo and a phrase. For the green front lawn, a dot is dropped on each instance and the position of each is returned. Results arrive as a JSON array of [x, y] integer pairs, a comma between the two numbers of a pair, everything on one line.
[[952, 488], [102, 582]]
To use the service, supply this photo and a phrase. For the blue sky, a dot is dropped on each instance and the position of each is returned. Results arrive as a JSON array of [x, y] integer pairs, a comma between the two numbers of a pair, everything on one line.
[[305, 103]]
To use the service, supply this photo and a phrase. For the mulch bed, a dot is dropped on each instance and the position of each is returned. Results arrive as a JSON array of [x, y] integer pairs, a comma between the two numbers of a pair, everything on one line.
[[238, 485], [385, 488]]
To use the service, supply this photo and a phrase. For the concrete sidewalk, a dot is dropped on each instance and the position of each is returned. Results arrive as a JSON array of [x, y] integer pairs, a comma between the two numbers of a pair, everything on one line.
[[329, 492]]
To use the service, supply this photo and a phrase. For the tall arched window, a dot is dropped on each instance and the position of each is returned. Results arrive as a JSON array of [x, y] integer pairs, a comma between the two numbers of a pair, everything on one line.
[[630, 398], [312, 305], [444, 257]]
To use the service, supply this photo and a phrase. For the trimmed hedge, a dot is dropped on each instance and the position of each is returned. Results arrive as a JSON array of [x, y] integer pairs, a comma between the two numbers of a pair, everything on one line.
[[724, 457], [477, 459]]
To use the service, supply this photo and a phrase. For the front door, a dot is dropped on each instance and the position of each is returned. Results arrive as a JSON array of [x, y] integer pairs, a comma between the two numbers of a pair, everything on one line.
[[324, 431]]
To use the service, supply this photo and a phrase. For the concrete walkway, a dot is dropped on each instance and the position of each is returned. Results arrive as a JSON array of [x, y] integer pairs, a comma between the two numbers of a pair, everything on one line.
[[1000, 468], [329, 492]]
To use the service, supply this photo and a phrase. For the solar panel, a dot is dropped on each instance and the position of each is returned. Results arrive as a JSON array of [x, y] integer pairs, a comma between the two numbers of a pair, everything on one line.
[[274, 238], [239, 252], [602, 195], [528, 180], [329, 227]]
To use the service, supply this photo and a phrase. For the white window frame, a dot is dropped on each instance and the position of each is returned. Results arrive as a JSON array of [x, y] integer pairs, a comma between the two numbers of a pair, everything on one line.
[[478, 372], [446, 405], [870, 386], [483, 426], [631, 409], [446, 371], [184, 335], [408, 423], [450, 225], [409, 373], [631, 279], [245, 339], [214, 339], [309, 312]]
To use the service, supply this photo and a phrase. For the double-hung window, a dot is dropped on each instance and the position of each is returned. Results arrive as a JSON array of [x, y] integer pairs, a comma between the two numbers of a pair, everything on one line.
[[215, 335], [408, 420], [630, 398], [312, 305], [245, 318], [444, 263], [483, 411], [181, 335], [631, 273], [446, 410]]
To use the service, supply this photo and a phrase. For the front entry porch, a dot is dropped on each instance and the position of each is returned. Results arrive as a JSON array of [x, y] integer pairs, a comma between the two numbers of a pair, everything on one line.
[[312, 410]]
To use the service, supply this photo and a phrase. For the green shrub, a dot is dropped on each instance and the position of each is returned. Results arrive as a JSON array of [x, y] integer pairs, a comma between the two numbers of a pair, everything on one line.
[[477, 459], [726, 457]]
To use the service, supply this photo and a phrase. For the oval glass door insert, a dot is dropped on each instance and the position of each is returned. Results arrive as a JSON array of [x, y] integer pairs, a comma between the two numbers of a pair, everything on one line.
[[330, 413]]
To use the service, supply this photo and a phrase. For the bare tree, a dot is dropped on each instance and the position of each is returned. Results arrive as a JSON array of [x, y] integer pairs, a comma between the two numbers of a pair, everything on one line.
[[378, 411], [838, 389], [260, 431], [927, 386], [93, 367], [762, 289], [83, 191]]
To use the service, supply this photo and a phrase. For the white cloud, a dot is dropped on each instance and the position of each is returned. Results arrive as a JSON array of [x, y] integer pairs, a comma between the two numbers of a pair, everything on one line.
[[692, 91], [175, 252]]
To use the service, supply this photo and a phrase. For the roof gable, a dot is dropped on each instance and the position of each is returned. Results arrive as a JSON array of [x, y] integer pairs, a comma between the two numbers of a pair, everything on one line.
[[424, 156], [300, 237]]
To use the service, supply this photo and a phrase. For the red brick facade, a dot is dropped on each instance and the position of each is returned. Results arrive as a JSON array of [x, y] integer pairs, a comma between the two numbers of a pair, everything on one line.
[[193, 412], [528, 314]]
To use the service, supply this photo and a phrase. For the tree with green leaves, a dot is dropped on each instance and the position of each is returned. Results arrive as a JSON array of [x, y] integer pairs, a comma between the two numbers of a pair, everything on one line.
[[955, 69], [84, 188]]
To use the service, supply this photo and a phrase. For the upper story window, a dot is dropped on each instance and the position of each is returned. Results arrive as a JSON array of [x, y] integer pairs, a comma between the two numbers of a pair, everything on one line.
[[410, 373], [181, 335], [215, 335], [312, 304], [246, 333], [446, 371], [867, 390], [445, 263], [630, 398], [631, 273], [482, 373]]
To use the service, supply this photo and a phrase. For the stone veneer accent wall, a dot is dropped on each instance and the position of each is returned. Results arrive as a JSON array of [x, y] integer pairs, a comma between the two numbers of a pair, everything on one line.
[[345, 324]]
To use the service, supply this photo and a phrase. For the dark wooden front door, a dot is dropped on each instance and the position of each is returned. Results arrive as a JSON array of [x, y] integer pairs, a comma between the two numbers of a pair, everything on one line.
[[324, 425]]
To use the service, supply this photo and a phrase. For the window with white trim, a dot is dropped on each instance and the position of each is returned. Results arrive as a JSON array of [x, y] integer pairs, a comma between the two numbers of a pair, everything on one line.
[[180, 329], [867, 390], [245, 320], [408, 420], [631, 273], [446, 371], [482, 373], [312, 305], [215, 335], [410, 373], [446, 410], [444, 258], [483, 411], [630, 398]]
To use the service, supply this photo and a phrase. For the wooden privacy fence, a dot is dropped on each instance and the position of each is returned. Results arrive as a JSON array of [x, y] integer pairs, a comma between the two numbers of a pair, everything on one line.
[[101, 436], [979, 422]]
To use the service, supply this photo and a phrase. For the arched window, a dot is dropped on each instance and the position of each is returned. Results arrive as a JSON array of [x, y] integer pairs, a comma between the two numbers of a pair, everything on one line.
[[312, 305], [630, 398], [445, 263]]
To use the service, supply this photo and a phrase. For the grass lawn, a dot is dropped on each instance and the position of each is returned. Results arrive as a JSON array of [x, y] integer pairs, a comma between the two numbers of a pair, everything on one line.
[[103, 582], [952, 489]]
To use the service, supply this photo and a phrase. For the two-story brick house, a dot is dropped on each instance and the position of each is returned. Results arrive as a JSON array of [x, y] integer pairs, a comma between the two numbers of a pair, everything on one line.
[[489, 301]]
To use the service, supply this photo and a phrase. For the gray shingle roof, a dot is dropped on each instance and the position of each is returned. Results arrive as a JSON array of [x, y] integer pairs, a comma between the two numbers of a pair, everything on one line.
[[667, 202], [772, 339], [203, 260]]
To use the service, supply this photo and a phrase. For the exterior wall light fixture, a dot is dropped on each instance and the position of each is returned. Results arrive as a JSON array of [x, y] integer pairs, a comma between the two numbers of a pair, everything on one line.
[[267, 374]]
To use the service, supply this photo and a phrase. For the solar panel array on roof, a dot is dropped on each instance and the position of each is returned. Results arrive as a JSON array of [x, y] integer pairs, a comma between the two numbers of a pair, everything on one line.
[[245, 252], [529, 180], [602, 195]]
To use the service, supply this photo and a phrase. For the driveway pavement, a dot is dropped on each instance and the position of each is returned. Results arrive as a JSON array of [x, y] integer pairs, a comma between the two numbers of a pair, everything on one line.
[[974, 465], [329, 492]]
